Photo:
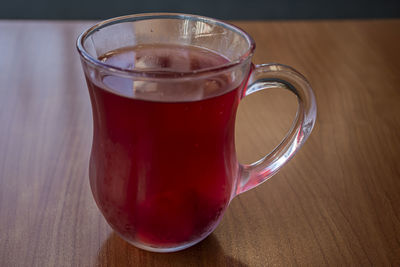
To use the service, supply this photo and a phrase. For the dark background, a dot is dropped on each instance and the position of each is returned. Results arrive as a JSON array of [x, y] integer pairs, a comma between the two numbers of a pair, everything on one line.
[[222, 9]]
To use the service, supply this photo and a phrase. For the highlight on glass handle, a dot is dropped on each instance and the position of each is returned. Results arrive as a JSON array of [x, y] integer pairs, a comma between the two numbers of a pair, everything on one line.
[[268, 76]]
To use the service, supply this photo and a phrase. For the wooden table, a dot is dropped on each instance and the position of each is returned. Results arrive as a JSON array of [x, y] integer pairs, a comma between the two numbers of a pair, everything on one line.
[[336, 203]]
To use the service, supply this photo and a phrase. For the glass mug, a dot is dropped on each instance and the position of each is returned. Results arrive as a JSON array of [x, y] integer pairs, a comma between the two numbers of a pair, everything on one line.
[[164, 90]]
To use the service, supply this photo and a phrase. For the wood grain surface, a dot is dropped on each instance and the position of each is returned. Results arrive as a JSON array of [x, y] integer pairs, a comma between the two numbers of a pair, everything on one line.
[[337, 203]]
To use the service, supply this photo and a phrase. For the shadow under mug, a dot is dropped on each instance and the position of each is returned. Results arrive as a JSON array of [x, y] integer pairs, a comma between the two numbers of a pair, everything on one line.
[[163, 165]]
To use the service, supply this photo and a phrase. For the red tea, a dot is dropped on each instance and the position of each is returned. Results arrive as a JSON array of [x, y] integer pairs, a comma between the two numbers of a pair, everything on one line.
[[163, 157]]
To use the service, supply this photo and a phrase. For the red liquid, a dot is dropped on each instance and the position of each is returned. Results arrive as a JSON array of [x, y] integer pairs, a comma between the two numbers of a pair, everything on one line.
[[162, 172]]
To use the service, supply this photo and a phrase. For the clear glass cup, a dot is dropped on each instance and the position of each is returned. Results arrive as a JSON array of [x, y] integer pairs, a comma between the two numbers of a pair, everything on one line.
[[163, 165]]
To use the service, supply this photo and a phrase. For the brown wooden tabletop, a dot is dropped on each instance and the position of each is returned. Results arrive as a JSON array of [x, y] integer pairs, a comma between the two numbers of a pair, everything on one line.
[[336, 203]]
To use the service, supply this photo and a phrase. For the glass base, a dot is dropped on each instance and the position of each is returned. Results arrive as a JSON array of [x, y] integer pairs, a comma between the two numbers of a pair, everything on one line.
[[170, 249], [161, 249]]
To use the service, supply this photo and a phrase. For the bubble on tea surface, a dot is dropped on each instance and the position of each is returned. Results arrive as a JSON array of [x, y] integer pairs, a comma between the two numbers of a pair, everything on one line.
[[215, 85]]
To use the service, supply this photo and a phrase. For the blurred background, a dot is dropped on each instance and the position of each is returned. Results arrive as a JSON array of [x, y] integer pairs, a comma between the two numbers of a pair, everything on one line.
[[222, 9]]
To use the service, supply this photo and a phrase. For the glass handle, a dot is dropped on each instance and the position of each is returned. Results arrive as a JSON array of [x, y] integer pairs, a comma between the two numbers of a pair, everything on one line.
[[279, 76]]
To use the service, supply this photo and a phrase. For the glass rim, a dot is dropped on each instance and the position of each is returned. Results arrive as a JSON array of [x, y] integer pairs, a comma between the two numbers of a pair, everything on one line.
[[162, 74]]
